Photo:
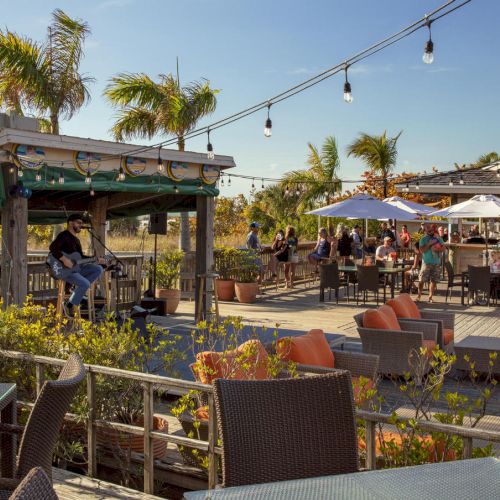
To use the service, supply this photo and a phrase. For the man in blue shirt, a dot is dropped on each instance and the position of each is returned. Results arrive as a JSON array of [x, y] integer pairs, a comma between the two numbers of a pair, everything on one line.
[[431, 247]]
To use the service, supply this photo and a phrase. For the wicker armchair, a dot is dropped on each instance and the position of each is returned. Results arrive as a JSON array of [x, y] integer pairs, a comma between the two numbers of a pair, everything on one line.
[[275, 430], [35, 486], [40, 435], [394, 347]]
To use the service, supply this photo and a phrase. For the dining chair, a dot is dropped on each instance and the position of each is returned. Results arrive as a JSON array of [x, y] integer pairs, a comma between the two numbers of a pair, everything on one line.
[[35, 486], [479, 281], [329, 277], [368, 281], [275, 430], [39, 436], [451, 279]]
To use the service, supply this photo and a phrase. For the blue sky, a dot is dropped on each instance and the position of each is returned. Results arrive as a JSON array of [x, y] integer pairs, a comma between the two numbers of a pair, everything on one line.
[[448, 111]]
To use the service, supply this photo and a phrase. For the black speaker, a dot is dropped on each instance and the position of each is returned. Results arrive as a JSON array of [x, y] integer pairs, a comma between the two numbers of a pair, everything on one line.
[[157, 223]]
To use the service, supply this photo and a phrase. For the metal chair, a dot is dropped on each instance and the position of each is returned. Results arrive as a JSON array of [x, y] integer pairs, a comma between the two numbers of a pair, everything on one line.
[[479, 281], [451, 279], [267, 436], [35, 486], [329, 278], [41, 432], [368, 281]]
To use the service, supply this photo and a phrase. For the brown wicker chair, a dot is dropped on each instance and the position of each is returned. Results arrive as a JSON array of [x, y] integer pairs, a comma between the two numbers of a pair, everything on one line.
[[394, 347], [40, 434], [35, 486], [275, 430]]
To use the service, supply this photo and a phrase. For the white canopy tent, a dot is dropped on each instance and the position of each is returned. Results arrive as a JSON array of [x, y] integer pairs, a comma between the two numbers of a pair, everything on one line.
[[409, 206]]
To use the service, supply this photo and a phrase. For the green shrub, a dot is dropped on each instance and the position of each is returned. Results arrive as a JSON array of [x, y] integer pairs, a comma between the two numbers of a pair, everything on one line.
[[168, 269]]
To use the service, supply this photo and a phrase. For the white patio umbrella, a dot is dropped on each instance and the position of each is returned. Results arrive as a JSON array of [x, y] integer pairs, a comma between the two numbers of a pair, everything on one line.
[[409, 206]]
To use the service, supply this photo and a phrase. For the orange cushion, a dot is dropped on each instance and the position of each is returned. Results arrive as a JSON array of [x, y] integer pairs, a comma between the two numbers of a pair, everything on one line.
[[383, 318], [249, 361], [309, 349], [429, 345], [404, 307], [448, 335]]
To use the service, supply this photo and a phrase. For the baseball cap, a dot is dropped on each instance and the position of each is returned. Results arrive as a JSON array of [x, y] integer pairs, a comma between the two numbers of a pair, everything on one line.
[[387, 238], [254, 224]]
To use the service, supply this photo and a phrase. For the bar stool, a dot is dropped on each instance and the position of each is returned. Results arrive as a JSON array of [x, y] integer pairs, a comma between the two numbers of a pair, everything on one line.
[[203, 292], [61, 297]]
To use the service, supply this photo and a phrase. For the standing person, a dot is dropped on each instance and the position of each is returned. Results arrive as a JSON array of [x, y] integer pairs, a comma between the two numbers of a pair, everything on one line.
[[280, 251], [442, 234], [67, 242], [405, 236], [431, 248], [253, 244], [385, 231], [292, 243], [334, 243], [357, 242], [421, 229], [321, 250], [397, 241], [345, 245]]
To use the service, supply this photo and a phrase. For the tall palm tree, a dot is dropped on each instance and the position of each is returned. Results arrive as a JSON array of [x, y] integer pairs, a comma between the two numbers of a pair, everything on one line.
[[486, 159], [320, 181], [148, 108], [378, 151], [44, 78]]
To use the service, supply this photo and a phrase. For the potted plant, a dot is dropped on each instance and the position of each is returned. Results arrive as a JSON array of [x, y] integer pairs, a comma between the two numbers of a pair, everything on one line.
[[225, 266], [168, 271], [248, 268]]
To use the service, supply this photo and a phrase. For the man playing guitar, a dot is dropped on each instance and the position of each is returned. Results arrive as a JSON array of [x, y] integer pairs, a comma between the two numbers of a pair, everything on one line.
[[82, 275]]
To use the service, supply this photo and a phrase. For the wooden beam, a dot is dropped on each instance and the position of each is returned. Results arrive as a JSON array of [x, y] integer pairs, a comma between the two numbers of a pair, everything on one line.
[[97, 211], [120, 200], [14, 280], [205, 209]]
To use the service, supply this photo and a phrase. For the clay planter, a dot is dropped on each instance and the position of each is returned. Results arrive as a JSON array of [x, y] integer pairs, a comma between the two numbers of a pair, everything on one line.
[[246, 293], [119, 439], [173, 298], [225, 290]]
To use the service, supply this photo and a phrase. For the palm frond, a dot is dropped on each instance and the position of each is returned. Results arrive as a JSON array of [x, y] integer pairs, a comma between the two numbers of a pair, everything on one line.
[[135, 89], [135, 121]]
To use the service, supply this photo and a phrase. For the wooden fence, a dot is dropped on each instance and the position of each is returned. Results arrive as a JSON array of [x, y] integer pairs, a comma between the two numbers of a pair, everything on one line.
[[152, 382]]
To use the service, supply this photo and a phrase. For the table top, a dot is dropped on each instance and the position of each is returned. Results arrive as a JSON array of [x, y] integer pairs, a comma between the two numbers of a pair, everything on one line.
[[480, 342], [7, 393], [382, 270], [460, 480]]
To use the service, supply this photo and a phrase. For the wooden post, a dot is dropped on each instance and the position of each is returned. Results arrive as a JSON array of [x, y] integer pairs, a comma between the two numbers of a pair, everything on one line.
[[370, 445], [14, 282], [91, 433], [40, 377], [212, 441], [149, 462], [97, 211], [205, 208]]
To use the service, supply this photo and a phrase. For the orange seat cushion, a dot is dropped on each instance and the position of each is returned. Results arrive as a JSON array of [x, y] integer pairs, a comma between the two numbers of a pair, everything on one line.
[[249, 361], [448, 336], [309, 349], [429, 345], [383, 318], [404, 307]]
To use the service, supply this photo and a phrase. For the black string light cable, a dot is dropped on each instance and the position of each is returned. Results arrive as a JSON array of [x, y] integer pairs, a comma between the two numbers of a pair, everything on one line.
[[436, 14]]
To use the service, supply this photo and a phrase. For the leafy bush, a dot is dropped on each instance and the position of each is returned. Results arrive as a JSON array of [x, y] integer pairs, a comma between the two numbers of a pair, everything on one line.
[[248, 265], [168, 269], [225, 261]]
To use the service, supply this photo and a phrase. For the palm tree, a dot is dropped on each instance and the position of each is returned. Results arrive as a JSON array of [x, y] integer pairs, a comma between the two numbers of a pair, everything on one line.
[[320, 181], [486, 159], [44, 78], [148, 108], [378, 151]]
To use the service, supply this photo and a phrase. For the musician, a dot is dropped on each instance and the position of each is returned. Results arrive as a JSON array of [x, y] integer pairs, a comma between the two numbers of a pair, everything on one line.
[[68, 242]]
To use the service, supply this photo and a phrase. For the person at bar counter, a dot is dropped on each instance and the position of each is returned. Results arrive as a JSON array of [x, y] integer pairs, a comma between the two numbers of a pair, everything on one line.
[[68, 242], [431, 247], [385, 231], [405, 236]]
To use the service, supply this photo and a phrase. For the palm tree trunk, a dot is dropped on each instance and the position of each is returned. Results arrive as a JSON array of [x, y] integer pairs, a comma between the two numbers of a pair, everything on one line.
[[54, 124], [184, 235]]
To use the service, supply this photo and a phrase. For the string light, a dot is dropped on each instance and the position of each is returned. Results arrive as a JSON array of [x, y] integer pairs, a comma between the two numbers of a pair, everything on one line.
[[347, 87], [61, 178], [229, 180], [262, 184], [200, 186], [88, 178], [428, 56], [461, 181], [92, 192], [38, 177], [287, 191], [52, 180], [20, 172], [12, 168], [450, 183], [417, 186], [121, 174], [210, 149], [222, 181], [160, 167], [297, 191], [253, 183], [268, 132]]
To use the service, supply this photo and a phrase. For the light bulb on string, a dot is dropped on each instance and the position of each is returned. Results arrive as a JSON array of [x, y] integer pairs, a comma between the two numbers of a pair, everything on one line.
[[253, 183], [160, 167], [461, 181], [210, 149], [287, 191], [38, 176], [20, 172], [450, 183], [88, 178], [200, 186], [12, 168], [121, 174], [262, 184], [297, 191], [417, 186], [61, 178], [52, 180], [229, 180], [92, 192], [347, 88], [428, 56], [222, 181], [176, 190], [268, 132]]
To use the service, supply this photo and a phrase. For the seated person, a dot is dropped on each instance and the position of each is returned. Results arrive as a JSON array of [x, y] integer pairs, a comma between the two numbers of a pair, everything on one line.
[[370, 246], [321, 250], [495, 262], [368, 261], [455, 237], [385, 250]]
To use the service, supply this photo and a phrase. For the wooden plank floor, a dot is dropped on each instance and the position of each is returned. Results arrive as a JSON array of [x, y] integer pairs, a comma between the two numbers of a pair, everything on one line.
[[70, 486]]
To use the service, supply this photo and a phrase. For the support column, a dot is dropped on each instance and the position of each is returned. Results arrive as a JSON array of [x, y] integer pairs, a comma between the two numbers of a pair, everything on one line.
[[97, 211], [14, 281], [205, 209]]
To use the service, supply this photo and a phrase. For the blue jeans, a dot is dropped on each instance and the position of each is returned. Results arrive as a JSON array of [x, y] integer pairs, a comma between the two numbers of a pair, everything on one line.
[[82, 280]]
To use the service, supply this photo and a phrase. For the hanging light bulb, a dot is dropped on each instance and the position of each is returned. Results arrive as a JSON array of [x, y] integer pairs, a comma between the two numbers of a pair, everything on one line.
[[428, 56], [121, 174], [417, 186], [287, 191], [253, 183], [407, 188], [210, 149], [20, 172], [229, 181], [176, 190], [38, 177], [88, 179], [200, 186], [52, 180], [347, 88], [160, 167], [262, 184], [222, 180], [61, 178], [92, 192], [326, 193], [498, 174], [461, 181], [12, 168], [268, 132], [450, 183], [297, 191]]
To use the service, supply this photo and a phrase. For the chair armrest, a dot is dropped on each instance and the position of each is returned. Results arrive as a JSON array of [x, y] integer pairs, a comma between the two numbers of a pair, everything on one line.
[[11, 428], [318, 370], [428, 329], [9, 484], [358, 363], [447, 318]]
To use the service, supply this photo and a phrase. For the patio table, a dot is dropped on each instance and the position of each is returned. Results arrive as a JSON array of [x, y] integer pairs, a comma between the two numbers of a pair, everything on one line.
[[494, 277], [393, 271], [461, 480], [8, 415]]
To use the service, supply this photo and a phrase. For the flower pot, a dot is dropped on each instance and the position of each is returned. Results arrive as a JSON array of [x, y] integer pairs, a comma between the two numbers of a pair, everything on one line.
[[191, 456], [173, 298], [225, 290], [246, 293], [119, 439]]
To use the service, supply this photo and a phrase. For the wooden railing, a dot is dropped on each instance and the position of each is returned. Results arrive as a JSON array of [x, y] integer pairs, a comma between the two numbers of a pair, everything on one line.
[[152, 382]]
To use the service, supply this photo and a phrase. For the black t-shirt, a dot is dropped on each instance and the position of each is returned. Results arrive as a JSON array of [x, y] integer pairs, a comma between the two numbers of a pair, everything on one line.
[[67, 243]]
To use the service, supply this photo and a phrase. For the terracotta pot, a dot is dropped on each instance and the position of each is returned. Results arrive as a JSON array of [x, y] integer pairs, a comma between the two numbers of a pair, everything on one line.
[[246, 293], [173, 298], [225, 290], [114, 438]]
